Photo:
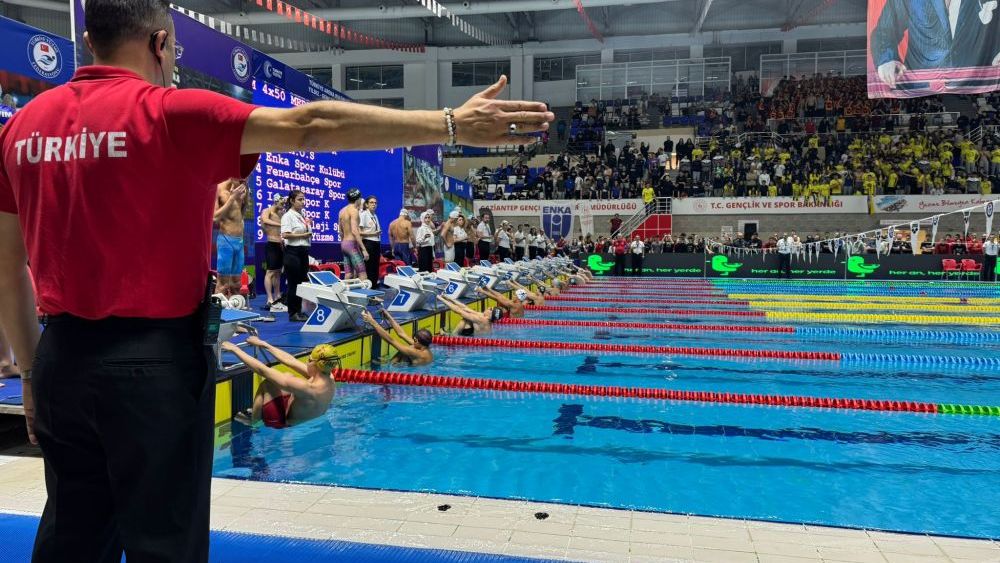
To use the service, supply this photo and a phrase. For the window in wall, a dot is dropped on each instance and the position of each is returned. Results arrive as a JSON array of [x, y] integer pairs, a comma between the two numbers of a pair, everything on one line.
[[549, 69], [744, 57], [478, 73], [321, 74], [831, 44], [659, 54], [374, 77]]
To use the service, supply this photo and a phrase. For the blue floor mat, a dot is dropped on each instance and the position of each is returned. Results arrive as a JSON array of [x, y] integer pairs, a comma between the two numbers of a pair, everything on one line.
[[227, 547], [10, 393]]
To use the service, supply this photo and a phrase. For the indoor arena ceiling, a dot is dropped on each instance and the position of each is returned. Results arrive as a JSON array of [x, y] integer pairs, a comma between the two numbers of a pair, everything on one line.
[[519, 21]]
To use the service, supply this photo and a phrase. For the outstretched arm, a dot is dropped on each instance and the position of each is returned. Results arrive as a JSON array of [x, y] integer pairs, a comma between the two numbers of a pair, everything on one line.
[[499, 298], [461, 309], [280, 355], [285, 381], [407, 349], [395, 327]]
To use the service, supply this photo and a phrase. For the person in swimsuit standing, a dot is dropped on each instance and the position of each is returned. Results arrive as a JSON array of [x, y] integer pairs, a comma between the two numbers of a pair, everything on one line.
[[285, 399], [274, 254], [351, 243], [414, 351], [401, 238], [230, 207]]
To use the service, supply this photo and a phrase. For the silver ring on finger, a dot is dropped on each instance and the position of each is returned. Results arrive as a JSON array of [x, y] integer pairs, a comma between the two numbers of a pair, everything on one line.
[[513, 127]]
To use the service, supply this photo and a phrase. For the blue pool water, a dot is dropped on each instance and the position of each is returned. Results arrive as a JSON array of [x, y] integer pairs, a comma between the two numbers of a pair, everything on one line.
[[904, 472]]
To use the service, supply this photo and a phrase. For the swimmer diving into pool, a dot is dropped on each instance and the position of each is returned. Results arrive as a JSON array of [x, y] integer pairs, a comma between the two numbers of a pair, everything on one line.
[[473, 322], [414, 351], [285, 399], [515, 308]]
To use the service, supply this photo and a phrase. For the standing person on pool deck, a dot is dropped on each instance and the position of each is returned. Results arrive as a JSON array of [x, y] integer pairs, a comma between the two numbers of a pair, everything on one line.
[[460, 238], [785, 256], [401, 237], [297, 232], [471, 238], [284, 399], [230, 207], [514, 308], [485, 234], [414, 351], [425, 242], [274, 254], [128, 464], [619, 245], [638, 249], [351, 243], [990, 250], [371, 237]]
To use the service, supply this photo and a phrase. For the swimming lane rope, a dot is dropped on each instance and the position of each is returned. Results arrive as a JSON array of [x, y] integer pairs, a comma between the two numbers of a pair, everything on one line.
[[424, 380]]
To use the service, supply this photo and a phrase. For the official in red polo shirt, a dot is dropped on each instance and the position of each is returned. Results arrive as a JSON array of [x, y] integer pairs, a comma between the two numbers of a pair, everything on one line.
[[107, 188]]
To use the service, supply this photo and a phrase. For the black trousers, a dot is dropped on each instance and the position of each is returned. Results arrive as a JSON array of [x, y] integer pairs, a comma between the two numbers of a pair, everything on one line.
[[425, 259], [533, 251], [124, 414], [504, 253], [619, 264], [519, 253], [637, 264], [484, 250], [296, 272], [374, 257], [785, 265], [989, 268], [470, 252], [460, 253]]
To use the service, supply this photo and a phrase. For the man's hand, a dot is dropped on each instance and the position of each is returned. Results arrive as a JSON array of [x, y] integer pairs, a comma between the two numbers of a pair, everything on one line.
[[256, 341], [367, 317], [890, 71], [484, 121], [28, 401], [229, 347], [238, 192]]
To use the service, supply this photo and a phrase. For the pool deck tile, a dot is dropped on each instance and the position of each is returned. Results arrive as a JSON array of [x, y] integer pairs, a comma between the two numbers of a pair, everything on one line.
[[511, 527]]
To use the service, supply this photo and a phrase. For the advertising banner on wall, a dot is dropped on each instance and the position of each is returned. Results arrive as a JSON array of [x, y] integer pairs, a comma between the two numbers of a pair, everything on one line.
[[929, 47], [33, 61], [765, 206], [928, 203], [823, 266], [511, 208]]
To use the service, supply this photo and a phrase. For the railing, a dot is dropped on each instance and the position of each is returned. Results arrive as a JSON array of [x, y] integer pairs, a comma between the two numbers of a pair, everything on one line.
[[673, 78], [939, 120], [660, 205]]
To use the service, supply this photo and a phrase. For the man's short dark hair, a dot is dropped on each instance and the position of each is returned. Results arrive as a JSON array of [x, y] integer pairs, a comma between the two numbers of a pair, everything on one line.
[[110, 23]]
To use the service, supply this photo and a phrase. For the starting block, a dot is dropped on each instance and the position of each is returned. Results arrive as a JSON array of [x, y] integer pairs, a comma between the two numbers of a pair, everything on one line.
[[338, 302]]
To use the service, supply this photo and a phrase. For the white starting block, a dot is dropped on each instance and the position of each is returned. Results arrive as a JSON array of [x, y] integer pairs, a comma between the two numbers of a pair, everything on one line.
[[489, 277], [415, 289], [338, 302], [508, 270], [461, 282]]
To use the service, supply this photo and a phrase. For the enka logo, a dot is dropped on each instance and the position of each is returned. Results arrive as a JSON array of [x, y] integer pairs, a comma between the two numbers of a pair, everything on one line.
[[557, 220], [723, 266], [241, 64], [857, 265], [44, 56]]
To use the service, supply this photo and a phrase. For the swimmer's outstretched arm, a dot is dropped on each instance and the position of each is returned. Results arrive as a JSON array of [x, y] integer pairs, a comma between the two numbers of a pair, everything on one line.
[[395, 327], [280, 355], [404, 348], [286, 381], [503, 301], [461, 309]]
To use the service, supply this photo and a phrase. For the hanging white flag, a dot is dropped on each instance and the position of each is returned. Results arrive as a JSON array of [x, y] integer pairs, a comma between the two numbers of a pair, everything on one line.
[[934, 225], [965, 217], [914, 231], [989, 218]]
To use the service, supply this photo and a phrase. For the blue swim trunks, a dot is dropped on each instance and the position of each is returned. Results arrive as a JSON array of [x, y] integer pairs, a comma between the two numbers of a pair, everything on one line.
[[229, 255]]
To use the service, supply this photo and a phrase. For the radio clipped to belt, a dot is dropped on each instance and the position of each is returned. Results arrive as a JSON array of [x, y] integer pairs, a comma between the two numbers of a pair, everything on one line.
[[211, 313]]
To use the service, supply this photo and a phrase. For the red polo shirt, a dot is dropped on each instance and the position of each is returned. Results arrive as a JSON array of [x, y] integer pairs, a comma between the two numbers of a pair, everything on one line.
[[114, 183]]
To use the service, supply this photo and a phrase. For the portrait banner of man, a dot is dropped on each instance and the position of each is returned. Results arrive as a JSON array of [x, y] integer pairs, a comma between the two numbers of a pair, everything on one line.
[[927, 47]]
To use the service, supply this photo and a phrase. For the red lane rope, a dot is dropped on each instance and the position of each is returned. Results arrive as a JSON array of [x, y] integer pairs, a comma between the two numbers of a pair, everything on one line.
[[638, 311], [423, 380], [562, 297], [642, 349], [652, 326]]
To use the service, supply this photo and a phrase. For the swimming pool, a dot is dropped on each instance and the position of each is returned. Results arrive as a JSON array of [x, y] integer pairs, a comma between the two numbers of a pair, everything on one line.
[[924, 473]]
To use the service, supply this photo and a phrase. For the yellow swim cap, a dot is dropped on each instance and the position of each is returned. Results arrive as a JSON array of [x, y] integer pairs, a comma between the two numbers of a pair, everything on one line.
[[325, 357]]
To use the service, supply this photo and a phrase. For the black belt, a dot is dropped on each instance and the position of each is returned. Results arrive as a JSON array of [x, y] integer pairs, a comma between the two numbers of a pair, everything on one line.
[[123, 323]]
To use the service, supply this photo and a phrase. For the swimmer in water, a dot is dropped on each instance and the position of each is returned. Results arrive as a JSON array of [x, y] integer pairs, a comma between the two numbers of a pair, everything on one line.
[[515, 308], [534, 298], [284, 399], [473, 322], [414, 351]]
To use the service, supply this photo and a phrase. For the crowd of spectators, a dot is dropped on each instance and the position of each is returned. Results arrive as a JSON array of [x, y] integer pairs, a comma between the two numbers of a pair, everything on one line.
[[828, 243]]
